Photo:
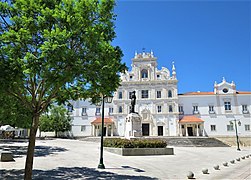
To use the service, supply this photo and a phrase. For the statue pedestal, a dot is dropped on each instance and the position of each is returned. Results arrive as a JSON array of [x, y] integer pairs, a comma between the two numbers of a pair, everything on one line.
[[133, 126]]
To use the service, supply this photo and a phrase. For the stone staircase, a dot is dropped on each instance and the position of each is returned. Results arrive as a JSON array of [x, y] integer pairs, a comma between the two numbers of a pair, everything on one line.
[[195, 142], [176, 141], [191, 141]]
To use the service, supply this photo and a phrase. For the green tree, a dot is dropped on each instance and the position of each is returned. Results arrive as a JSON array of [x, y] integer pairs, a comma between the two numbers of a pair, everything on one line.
[[45, 123], [12, 112], [55, 50], [57, 120]]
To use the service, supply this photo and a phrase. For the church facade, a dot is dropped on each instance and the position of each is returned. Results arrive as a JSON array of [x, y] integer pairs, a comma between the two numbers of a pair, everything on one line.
[[164, 112]]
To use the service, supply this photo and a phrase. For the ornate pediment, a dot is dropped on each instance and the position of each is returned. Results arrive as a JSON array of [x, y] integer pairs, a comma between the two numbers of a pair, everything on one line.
[[224, 87]]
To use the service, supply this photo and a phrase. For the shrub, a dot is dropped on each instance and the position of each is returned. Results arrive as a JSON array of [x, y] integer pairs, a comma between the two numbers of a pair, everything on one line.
[[134, 143]]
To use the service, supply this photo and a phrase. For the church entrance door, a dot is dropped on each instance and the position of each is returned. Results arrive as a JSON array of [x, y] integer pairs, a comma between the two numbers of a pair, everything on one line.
[[190, 131], [104, 134], [160, 130], [145, 129]]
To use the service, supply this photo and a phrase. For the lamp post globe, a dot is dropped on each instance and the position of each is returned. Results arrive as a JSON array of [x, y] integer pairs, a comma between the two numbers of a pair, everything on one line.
[[108, 99]]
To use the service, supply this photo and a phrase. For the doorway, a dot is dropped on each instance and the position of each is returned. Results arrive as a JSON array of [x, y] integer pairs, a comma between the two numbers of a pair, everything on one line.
[[104, 134], [160, 130], [145, 129], [190, 131]]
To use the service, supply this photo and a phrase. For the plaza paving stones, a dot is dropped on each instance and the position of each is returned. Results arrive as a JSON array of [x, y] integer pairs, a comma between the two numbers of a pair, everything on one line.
[[75, 159]]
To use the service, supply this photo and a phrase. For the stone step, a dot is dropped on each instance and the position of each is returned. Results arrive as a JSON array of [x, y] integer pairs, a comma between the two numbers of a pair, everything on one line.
[[196, 142], [176, 141]]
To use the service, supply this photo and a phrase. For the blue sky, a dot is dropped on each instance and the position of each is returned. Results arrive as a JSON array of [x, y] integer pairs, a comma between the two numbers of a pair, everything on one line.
[[207, 40]]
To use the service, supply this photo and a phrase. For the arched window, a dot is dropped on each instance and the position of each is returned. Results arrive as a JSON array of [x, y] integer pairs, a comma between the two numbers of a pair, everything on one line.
[[144, 73], [170, 94], [170, 108]]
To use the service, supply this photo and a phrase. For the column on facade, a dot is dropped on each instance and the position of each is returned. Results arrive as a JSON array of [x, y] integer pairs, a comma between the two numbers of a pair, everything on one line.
[[149, 73], [168, 128], [180, 134], [164, 129], [107, 129], [93, 130], [197, 129], [202, 129], [154, 72], [139, 74], [112, 129], [186, 130], [99, 130], [150, 129]]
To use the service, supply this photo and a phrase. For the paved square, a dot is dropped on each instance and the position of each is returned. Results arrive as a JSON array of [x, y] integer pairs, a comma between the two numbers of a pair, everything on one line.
[[75, 159]]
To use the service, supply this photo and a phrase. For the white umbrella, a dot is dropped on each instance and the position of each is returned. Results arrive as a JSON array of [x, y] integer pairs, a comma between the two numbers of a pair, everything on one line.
[[7, 128]]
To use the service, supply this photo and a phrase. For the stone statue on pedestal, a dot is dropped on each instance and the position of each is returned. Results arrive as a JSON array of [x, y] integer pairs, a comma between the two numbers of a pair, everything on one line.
[[133, 102], [133, 124]]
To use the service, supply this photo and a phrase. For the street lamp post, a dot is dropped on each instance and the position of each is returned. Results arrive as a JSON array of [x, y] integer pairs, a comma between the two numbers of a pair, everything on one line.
[[236, 133], [106, 99]]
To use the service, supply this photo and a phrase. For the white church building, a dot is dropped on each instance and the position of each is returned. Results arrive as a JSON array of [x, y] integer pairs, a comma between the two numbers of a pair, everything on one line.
[[164, 112]]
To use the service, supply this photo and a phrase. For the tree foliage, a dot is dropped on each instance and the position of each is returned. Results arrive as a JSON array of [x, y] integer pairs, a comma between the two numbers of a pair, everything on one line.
[[45, 123], [55, 50], [57, 119], [12, 112]]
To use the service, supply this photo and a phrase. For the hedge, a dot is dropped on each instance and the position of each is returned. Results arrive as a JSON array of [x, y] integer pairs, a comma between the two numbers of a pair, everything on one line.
[[135, 143]]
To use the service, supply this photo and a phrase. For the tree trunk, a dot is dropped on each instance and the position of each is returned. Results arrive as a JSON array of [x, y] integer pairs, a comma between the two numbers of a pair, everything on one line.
[[31, 147]]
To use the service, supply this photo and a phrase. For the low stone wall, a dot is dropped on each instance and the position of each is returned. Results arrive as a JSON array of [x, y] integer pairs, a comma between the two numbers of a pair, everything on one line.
[[6, 156], [140, 151], [244, 141]]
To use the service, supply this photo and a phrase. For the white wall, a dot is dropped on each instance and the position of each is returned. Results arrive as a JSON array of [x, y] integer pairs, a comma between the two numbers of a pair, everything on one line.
[[221, 118]]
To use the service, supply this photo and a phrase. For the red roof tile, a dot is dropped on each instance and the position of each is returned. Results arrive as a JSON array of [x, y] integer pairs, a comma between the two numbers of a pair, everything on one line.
[[99, 121], [190, 119], [199, 93], [243, 92], [212, 93]]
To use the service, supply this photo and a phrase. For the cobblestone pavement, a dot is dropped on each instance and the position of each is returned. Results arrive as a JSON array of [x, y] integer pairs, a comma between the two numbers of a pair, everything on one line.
[[74, 159]]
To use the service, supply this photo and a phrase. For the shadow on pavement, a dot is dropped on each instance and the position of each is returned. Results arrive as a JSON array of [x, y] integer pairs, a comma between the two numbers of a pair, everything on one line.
[[40, 151], [12, 141], [128, 168], [68, 174], [132, 168]]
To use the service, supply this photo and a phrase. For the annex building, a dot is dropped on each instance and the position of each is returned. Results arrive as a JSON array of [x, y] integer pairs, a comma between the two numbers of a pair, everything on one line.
[[164, 112]]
